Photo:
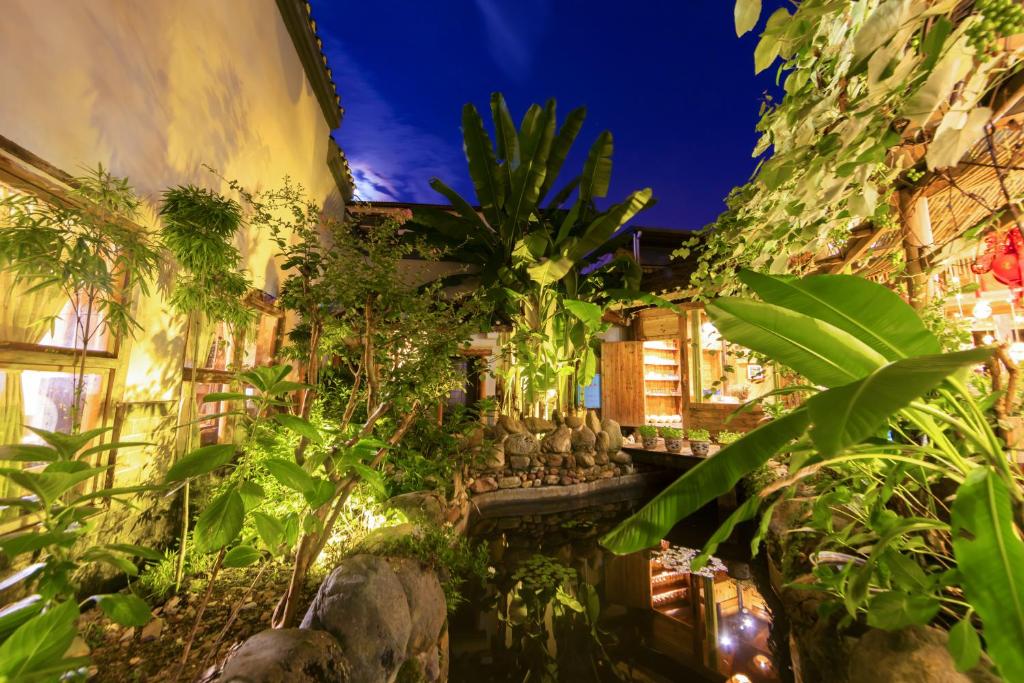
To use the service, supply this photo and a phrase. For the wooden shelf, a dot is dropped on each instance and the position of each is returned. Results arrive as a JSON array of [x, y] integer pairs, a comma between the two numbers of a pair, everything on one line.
[[666, 395]]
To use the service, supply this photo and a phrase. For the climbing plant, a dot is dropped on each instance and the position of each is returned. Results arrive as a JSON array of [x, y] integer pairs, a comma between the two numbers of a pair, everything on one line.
[[875, 94]]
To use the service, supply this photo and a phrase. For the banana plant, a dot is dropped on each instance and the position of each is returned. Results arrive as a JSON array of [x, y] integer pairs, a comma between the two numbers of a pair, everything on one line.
[[885, 406], [530, 256], [58, 542]]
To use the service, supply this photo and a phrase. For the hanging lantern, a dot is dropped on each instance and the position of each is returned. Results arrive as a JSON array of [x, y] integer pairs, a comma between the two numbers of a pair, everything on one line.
[[1001, 255], [1006, 269]]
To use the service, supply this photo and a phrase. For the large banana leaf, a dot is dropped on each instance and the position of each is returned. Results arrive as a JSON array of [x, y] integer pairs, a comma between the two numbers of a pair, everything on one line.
[[705, 482], [597, 170], [990, 556], [535, 145], [847, 415], [874, 314], [464, 208], [483, 167], [821, 352], [560, 147], [505, 135]]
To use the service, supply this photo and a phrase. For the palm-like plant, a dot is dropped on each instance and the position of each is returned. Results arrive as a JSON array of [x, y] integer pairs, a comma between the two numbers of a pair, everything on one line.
[[530, 257], [891, 419]]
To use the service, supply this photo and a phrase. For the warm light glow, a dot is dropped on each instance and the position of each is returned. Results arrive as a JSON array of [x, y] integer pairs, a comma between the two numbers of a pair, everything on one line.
[[709, 335], [739, 678], [988, 339], [762, 663], [1017, 352], [725, 641], [981, 310]]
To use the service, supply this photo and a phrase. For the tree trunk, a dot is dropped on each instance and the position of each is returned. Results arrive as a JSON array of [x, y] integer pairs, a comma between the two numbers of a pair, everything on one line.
[[917, 242]]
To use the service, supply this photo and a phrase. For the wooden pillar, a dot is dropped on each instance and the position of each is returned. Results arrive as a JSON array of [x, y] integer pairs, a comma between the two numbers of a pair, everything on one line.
[[917, 242]]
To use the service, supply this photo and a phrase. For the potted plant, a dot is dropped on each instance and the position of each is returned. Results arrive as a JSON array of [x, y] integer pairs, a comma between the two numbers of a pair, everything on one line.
[[649, 435], [725, 438], [673, 439], [700, 441]]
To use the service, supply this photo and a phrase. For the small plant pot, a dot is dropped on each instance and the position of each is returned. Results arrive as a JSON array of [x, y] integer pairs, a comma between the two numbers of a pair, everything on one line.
[[674, 445], [650, 443], [700, 448]]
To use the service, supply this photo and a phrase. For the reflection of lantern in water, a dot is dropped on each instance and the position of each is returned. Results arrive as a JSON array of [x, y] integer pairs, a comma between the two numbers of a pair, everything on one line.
[[738, 678], [762, 663]]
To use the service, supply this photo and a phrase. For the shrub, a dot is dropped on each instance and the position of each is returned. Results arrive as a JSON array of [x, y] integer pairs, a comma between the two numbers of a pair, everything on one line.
[[726, 437], [698, 435], [671, 433], [647, 431]]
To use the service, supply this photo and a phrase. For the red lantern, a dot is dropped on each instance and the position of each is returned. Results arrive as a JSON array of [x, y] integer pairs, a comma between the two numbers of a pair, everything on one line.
[[1006, 269]]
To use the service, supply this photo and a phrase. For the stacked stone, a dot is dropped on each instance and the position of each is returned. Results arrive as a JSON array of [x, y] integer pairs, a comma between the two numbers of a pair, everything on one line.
[[558, 452]]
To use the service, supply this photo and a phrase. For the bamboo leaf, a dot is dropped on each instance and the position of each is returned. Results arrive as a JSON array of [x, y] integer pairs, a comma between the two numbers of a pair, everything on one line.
[[746, 13]]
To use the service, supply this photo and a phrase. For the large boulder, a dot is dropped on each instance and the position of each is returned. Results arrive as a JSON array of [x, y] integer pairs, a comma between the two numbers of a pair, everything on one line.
[[583, 439], [384, 539], [592, 422], [917, 653], [558, 441], [511, 425], [427, 607], [421, 506], [585, 459], [614, 432], [484, 485], [573, 421], [520, 444], [494, 457], [363, 604], [602, 444], [519, 462], [291, 655], [538, 425]]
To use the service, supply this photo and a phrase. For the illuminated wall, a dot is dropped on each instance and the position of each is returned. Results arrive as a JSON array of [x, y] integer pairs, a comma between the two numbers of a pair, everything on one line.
[[153, 91]]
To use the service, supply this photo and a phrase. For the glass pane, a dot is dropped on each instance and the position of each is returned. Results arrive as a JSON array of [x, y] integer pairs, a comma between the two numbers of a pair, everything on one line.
[[216, 347], [727, 372], [259, 348], [47, 398], [211, 431]]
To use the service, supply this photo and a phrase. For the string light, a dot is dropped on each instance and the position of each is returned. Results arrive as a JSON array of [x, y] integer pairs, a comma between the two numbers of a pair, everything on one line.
[[982, 310]]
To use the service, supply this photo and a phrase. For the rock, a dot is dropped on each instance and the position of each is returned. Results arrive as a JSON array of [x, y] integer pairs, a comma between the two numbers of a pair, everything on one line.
[[600, 458], [484, 485], [583, 439], [536, 461], [614, 432], [592, 422], [585, 459], [917, 653], [495, 458], [363, 604], [602, 443], [558, 441], [511, 425], [151, 631], [495, 433], [565, 481], [573, 421], [554, 460], [622, 458], [420, 506], [607, 474], [557, 418], [538, 425], [520, 444], [551, 479], [512, 482], [291, 655], [519, 462], [570, 461], [427, 608], [474, 438]]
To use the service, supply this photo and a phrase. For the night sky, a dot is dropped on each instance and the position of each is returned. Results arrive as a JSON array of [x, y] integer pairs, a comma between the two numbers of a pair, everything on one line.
[[669, 78]]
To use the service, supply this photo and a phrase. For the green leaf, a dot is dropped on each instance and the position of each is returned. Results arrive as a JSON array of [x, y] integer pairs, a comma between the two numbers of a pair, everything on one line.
[[200, 461], [270, 530], [964, 645], [597, 169], [989, 554], [300, 426], [483, 167], [22, 542], [771, 41], [705, 482], [136, 551], [893, 610], [821, 352], [217, 396], [220, 523], [17, 613], [252, 493], [69, 444], [872, 313], [588, 312], [847, 415], [956, 135], [241, 556], [560, 149], [49, 484], [534, 146], [39, 642], [319, 492], [746, 13], [28, 452], [127, 610], [290, 474], [741, 514]]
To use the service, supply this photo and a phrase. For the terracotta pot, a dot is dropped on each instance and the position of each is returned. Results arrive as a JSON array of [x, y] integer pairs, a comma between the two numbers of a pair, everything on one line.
[[674, 445], [650, 443], [700, 448]]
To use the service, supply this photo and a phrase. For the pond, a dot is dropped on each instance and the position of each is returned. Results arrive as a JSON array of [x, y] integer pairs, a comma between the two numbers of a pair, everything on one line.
[[559, 607]]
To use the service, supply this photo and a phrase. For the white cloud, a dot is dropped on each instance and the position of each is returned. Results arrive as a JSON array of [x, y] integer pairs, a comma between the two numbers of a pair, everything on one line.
[[391, 158], [513, 31]]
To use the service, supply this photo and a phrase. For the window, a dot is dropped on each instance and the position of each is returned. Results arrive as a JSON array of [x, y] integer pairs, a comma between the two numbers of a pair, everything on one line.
[[727, 373]]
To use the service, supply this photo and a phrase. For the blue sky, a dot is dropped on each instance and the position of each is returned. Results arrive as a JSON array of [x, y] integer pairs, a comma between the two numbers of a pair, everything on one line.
[[669, 79]]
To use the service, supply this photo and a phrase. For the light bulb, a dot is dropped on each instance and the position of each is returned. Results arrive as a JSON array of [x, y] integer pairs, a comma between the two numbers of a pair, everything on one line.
[[981, 310], [988, 339], [1017, 352]]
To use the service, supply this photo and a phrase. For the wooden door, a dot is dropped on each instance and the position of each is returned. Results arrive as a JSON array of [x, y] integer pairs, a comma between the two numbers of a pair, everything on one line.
[[622, 382]]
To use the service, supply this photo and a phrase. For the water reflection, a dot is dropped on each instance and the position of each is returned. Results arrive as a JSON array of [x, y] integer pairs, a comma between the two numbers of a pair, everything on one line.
[[561, 608]]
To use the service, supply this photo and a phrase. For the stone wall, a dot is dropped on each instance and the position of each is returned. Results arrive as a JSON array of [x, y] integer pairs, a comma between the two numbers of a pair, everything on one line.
[[535, 452]]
